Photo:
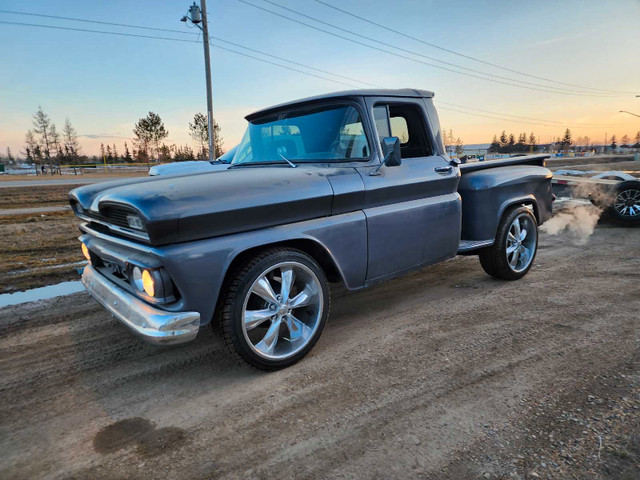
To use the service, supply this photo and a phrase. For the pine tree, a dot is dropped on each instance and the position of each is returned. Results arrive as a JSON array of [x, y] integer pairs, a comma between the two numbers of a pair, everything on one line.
[[637, 144], [613, 145], [115, 154], [127, 154], [149, 132], [495, 145], [503, 140], [566, 141], [625, 141]]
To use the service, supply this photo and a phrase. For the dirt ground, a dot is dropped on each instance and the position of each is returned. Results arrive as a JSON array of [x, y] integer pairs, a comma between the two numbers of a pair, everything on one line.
[[445, 373]]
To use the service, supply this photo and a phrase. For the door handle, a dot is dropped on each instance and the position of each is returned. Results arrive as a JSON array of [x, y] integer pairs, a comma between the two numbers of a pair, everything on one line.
[[443, 170]]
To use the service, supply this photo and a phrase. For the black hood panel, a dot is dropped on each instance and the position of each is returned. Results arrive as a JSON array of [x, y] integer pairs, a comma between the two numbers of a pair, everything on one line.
[[203, 205]]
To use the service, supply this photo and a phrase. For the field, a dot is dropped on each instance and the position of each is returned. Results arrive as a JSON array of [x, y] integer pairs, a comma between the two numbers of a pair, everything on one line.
[[39, 248]]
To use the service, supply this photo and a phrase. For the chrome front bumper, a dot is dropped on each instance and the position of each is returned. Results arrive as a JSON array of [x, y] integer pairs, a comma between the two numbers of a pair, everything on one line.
[[154, 325]]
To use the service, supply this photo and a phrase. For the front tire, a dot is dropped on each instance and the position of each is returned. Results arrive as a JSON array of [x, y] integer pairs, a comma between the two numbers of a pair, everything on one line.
[[514, 250], [274, 308]]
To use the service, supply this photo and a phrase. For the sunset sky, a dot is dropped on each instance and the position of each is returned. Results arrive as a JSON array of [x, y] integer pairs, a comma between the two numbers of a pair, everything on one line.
[[105, 83]]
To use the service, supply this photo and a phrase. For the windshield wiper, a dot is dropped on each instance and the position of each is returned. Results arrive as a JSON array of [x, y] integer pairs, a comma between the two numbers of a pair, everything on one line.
[[293, 165]]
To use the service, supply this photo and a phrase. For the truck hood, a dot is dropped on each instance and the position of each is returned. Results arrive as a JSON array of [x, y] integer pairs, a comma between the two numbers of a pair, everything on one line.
[[190, 207]]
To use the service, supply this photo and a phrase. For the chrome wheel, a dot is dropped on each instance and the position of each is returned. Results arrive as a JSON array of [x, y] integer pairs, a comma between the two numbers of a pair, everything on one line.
[[521, 243], [627, 203], [282, 310]]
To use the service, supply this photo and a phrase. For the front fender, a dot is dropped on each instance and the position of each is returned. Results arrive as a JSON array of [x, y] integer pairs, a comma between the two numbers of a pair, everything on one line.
[[198, 268]]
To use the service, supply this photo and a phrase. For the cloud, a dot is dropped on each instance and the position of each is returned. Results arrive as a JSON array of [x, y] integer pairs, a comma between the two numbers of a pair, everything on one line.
[[102, 135]]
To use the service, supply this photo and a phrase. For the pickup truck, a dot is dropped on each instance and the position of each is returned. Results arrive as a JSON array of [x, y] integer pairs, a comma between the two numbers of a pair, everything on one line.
[[352, 187]]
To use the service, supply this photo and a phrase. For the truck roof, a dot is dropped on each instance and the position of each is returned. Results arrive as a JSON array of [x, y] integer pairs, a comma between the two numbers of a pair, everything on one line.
[[367, 92]]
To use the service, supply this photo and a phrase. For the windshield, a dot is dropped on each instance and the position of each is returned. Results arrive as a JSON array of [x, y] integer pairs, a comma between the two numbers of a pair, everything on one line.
[[326, 134], [227, 156]]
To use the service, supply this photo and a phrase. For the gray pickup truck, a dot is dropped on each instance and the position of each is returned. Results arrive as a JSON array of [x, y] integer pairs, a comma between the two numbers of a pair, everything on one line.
[[353, 187]]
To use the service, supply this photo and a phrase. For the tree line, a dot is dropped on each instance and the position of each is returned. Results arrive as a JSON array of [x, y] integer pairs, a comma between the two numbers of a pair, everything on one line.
[[509, 144], [48, 149]]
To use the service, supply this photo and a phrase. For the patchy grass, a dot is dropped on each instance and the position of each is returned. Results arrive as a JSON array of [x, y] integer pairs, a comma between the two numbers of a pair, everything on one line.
[[32, 246], [32, 197]]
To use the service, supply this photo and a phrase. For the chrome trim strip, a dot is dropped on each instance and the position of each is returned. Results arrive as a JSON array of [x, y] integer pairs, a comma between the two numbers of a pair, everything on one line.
[[84, 227], [115, 228], [152, 324]]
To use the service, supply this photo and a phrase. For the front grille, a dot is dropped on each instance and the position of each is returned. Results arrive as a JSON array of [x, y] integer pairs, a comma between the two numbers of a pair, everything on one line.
[[117, 215]]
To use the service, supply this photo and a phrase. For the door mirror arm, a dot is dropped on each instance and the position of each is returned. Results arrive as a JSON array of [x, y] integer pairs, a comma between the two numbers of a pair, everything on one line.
[[391, 151]]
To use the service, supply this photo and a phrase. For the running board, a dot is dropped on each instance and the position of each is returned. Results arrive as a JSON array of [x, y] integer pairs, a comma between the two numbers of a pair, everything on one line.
[[470, 245]]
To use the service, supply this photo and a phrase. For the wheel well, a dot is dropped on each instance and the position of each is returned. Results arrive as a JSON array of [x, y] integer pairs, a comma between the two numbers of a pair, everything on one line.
[[310, 247], [525, 203]]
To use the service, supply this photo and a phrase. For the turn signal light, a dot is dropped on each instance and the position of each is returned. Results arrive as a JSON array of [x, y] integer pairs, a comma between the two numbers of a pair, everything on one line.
[[85, 252]]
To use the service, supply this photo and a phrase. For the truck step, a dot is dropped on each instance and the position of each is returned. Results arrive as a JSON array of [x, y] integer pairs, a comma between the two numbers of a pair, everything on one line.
[[469, 245]]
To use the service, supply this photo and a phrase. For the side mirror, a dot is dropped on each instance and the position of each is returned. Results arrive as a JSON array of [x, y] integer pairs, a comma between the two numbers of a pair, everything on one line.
[[391, 151]]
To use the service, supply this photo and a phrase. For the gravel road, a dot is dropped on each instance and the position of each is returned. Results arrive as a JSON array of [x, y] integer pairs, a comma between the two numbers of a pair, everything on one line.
[[445, 373]]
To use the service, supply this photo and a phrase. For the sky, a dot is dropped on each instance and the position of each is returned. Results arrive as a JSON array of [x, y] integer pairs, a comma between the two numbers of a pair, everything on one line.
[[105, 83]]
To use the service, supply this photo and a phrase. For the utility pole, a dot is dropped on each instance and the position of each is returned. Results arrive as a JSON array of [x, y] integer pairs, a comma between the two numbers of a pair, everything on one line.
[[198, 15]]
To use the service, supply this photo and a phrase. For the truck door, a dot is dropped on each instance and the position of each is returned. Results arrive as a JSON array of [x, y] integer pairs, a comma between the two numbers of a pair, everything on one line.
[[413, 210]]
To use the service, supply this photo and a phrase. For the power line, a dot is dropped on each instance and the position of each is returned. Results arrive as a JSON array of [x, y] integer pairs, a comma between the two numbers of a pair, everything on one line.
[[84, 30], [412, 52], [520, 121], [85, 20], [289, 68], [423, 62], [73, 19], [594, 125], [462, 54]]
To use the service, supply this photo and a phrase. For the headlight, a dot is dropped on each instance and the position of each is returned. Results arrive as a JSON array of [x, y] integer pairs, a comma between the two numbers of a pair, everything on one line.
[[144, 281], [148, 283], [135, 222], [85, 252]]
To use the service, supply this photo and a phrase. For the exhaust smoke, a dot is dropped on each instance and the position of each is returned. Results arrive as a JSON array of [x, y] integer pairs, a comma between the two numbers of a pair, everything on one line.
[[576, 216]]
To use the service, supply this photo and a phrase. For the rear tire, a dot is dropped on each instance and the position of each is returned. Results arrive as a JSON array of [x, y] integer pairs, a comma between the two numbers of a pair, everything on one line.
[[274, 308], [514, 250]]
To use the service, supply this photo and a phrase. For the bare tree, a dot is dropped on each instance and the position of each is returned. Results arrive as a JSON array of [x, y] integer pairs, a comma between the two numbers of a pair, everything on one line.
[[31, 144], [199, 131], [10, 158], [71, 145], [43, 126]]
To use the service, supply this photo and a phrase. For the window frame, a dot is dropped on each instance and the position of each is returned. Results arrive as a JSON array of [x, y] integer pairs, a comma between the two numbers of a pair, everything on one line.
[[420, 106]]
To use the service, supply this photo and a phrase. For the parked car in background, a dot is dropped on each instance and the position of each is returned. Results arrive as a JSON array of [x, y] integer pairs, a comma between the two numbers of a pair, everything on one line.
[[616, 193], [320, 190], [179, 168]]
